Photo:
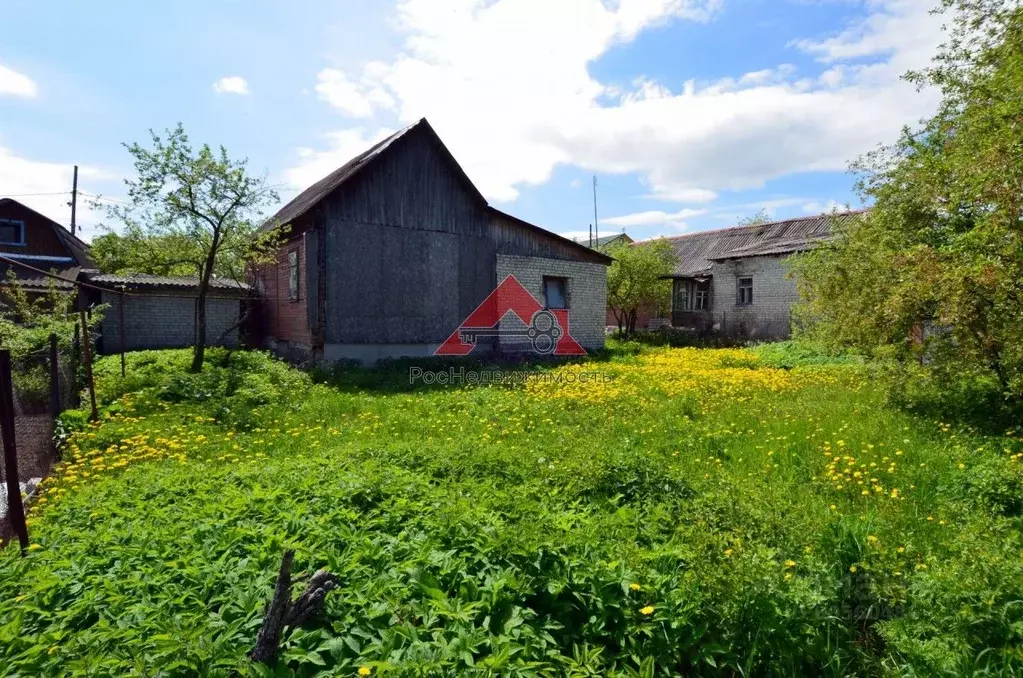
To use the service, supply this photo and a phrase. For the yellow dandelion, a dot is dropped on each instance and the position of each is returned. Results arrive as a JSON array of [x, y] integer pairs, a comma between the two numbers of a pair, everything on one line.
[[365, 671], [790, 563], [648, 610], [634, 586]]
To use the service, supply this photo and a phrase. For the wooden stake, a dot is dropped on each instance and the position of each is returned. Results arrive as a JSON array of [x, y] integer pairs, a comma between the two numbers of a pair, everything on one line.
[[54, 377], [15, 509], [87, 355]]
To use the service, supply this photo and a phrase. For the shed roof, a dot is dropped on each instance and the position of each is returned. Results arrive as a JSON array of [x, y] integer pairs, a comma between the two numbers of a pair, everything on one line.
[[148, 281], [696, 252]]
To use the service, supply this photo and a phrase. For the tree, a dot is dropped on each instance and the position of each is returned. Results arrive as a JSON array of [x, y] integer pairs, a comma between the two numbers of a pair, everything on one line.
[[638, 277], [933, 271], [190, 211], [761, 217]]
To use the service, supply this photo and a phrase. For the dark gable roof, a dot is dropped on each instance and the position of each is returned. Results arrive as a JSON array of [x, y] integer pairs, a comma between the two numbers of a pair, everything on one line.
[[308, 199], [696, 252], [311, 196], [77, 247]]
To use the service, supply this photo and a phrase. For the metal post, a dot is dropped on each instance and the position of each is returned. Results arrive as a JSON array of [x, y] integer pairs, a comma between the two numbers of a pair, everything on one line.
[[87, 354], [15, 509], [74, 200], [54, 377]]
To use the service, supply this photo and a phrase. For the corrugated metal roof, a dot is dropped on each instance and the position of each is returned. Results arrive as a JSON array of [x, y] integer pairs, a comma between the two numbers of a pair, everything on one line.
[[696, 252], [145, 280], [30, 280]]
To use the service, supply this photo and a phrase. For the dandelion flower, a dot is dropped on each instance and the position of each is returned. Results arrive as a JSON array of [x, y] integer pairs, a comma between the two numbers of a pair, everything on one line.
[[364, 671], [634, 586], [852, 568], [790, 563], [648, 610], [33, 547]]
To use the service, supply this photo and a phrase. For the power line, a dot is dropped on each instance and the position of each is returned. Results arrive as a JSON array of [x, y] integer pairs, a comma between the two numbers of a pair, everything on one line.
[[26, 195]]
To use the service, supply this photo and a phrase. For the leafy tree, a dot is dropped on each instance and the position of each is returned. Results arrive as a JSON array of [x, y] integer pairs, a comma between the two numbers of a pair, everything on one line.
[[638, 278], [934, 271], [761, 217], [194, 211]]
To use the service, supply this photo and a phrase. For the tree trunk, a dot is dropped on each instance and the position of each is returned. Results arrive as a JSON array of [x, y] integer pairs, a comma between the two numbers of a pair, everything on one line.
[[199, 350]]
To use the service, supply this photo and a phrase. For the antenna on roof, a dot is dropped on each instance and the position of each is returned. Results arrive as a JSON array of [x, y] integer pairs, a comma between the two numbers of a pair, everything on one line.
[[596, 225]]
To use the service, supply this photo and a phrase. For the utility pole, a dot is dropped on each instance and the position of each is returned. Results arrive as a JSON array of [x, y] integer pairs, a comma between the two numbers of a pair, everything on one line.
[[74, 199], [596, 227], [591, 235]]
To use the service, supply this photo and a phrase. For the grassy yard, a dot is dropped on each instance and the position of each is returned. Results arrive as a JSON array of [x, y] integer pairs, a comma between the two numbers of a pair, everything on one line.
[[704, 511]]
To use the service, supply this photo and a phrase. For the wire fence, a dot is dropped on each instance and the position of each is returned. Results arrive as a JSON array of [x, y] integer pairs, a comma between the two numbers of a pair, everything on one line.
[[34, 389]]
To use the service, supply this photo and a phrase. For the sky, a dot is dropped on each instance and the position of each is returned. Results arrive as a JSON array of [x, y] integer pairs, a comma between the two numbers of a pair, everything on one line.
[[691, 114]]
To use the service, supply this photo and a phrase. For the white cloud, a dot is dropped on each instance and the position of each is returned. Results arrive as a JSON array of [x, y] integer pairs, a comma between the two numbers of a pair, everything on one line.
[[231, 84], [356, 99], [676, 220], [46, 187], [342, 147], [817, 207], [16, 84], [510, 114]]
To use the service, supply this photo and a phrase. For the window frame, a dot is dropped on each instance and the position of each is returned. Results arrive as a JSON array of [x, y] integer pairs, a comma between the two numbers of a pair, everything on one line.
[[743, 292], [20, 223], [294, 275], [564, 292]]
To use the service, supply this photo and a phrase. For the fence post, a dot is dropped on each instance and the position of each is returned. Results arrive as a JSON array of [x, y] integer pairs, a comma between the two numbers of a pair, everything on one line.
[[54, 377], [120, 323], [87, 354], [15, 509], [76, 347]]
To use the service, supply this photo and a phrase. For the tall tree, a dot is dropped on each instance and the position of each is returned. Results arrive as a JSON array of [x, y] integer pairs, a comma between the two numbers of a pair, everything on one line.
[[638, 278], [934, 271], [191, 210]]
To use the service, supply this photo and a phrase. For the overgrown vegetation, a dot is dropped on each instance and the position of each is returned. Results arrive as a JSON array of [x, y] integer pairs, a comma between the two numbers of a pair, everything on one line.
[[637, 280], [930, 278], [703, 513]]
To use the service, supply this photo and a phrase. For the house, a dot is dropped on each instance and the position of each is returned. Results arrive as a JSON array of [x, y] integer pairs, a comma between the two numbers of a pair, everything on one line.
[[734, 281], [33, 240], [152, 311], [390, 253], [606, 241]]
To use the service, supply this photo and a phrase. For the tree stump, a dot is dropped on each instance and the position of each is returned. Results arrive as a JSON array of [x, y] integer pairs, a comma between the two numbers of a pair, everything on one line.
[[283, 612]]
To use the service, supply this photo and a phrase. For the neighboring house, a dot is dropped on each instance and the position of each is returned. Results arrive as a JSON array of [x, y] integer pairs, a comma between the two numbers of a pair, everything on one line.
[[159, 311], [27, 237], [606, 241], [387, 255], [733, 281]]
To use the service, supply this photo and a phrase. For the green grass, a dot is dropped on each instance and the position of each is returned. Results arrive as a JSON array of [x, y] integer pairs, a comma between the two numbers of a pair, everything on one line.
[[678, 520]]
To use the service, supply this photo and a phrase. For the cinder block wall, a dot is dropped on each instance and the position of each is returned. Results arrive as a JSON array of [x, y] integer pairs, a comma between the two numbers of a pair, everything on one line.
[[165, 321], [587, 294], [774, 294]]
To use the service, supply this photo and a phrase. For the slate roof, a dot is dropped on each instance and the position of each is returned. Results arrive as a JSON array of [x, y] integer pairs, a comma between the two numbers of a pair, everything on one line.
[[66, 283], [308, 198], [696, 252], [147, 281]]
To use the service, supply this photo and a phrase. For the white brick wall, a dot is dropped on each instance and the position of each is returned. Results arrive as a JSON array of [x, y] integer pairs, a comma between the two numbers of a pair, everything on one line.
[[774, 293], [165, 321], [587, 294]]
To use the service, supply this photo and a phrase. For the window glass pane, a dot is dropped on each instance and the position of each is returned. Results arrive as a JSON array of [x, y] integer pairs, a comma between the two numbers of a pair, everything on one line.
[[293, 275], [10, 232], [555, 292]]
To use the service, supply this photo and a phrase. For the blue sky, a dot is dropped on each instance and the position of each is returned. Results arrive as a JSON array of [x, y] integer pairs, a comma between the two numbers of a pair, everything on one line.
[[692, 113]]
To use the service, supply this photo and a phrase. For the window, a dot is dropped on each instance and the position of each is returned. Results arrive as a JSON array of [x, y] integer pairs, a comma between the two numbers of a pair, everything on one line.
[[12, 232], [701, 296], [744, 292], [692, 295], [555, 292], [293, 275]]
